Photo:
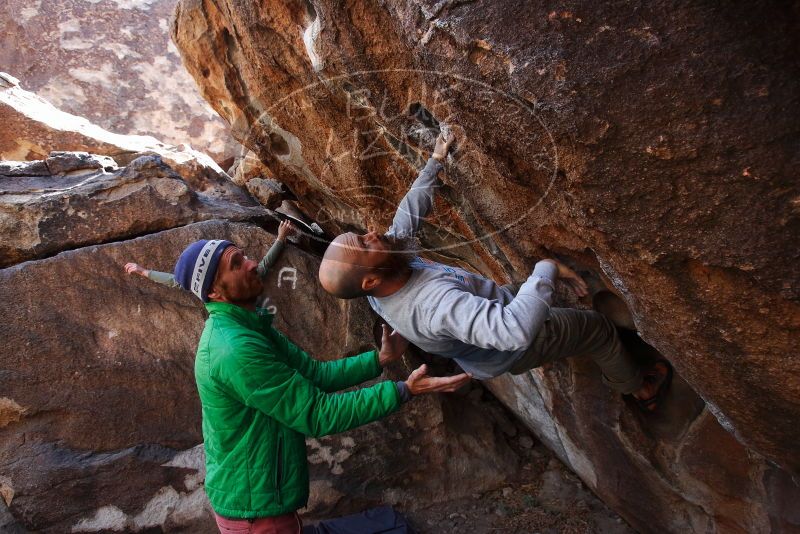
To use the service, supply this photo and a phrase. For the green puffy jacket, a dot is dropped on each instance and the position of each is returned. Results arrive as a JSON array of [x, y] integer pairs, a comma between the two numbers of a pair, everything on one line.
[[261, 395]]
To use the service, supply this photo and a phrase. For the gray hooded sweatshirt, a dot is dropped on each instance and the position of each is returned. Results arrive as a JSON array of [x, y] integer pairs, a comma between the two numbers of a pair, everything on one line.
[[458, 314]]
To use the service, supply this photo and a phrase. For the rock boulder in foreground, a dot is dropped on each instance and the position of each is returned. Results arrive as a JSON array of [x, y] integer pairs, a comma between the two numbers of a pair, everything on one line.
[[99, 415]]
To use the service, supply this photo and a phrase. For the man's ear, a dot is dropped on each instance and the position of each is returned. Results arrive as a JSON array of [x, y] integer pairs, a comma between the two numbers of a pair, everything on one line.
[[370, 282], [213, 294]]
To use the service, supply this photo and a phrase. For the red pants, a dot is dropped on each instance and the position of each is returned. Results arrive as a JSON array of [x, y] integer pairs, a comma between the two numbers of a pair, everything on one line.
[[282, 524]]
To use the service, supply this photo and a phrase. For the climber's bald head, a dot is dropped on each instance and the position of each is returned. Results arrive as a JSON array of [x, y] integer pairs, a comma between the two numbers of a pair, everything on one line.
[[342, 269], [357, 265]]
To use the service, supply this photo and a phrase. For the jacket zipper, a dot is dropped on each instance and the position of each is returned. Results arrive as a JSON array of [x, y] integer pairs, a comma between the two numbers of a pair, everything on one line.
[[279, 471]]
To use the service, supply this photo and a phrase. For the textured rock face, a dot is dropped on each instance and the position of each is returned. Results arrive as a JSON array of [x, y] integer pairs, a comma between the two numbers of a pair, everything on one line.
[[248, 171], [73, 199], [110, 61], [100, 423], [654, 148]]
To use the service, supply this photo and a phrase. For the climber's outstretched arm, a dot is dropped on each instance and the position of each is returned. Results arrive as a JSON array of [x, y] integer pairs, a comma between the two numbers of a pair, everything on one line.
[[417, 203]]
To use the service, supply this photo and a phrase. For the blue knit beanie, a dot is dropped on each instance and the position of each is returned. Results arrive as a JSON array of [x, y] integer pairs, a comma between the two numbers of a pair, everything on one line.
[[197, 266]]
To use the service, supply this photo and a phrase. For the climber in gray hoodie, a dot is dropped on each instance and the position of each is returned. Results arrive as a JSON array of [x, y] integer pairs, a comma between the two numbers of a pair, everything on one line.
[[457, 314]]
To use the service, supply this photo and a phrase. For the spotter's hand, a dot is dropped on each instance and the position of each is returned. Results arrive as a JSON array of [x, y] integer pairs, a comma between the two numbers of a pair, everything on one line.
[[419, 382], [135, 268], [286, 229]]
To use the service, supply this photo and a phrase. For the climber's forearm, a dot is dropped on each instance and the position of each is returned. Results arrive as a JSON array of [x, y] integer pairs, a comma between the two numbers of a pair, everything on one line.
[[417, 203]]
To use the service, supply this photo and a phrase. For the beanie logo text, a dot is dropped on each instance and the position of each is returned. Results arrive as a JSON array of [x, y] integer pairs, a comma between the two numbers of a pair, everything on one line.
[[201, 266]]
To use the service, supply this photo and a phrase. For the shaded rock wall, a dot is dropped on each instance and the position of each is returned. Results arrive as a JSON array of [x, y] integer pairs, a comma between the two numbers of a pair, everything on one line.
[[652, 147], [111, 61], [100, 423]]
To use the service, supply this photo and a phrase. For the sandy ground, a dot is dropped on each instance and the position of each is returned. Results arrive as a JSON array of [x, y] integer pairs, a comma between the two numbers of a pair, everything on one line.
[[544, 498]]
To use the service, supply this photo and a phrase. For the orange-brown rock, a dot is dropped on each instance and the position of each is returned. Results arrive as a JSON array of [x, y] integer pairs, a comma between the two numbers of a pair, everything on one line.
[[653, 147], [248, 172], [66, 183]]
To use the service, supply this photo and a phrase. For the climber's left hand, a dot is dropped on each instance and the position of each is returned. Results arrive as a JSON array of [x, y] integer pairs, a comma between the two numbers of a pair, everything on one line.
[[571, 278]]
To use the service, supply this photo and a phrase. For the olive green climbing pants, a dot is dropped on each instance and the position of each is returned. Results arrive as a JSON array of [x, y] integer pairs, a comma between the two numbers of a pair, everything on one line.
[[571, 332]]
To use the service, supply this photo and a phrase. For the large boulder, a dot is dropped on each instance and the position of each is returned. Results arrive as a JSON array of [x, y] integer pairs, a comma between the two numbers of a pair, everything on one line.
[[652, 147], [73, 199], [112, 62], [100, 420]]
